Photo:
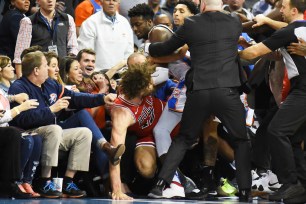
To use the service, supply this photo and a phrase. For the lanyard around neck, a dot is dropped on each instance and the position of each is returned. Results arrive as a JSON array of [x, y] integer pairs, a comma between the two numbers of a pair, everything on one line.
[[51, 30]]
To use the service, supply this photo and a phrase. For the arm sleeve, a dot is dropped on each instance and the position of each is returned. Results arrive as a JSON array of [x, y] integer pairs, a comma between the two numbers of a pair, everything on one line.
[[160, 75], [4, 105], [6, 118], [72, 45], [23, 39], [32, 118], [84, 100], [87, 36], [280, 38], [166, 48]]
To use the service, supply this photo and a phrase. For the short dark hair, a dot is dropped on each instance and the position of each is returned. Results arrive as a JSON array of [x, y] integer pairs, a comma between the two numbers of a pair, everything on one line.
[[86, 50], [30, 61], [31, 49], [300, 5], [136, 80], [192, 7], [143, 10]]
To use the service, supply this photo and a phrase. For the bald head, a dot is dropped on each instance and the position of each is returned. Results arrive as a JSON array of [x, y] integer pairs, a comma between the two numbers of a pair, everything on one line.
[[209, 5], [159, 34], [213, 2], [136, 58]]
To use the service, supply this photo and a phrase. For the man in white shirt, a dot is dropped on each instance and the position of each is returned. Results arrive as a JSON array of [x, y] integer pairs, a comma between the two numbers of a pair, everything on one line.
[[109, 34]]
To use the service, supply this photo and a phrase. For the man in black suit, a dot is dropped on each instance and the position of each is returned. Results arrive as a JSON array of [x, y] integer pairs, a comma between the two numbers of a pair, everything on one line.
[[212, 85], [287, 128]]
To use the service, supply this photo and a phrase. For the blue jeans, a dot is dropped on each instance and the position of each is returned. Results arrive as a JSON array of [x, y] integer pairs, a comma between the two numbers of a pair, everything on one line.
[[30, 155], [83, 119]]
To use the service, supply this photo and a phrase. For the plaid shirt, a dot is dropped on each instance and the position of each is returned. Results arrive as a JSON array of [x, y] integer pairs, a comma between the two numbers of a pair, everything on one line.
[[25, 36]]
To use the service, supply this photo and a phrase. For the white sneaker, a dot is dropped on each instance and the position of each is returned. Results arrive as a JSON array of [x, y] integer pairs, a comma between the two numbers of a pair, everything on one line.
[[255, 177], [176, 190], [268, 183], [273, 184]]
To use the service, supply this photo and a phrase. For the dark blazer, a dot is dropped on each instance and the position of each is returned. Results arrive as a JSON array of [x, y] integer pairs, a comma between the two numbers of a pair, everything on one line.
[[212, 38]]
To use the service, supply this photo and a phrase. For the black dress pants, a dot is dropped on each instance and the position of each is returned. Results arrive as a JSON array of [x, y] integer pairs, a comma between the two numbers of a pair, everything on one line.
[[284, 128], [298, 153], [261, 147], [9, 154], [226, 105]]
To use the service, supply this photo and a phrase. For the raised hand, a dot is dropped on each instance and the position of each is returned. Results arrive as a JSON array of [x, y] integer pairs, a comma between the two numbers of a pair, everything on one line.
[[100, 81], [260, 20], [60, 6], [109, 99]]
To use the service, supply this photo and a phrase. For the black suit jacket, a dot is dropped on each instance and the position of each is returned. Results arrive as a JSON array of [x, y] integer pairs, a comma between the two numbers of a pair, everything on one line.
[[212, 38]]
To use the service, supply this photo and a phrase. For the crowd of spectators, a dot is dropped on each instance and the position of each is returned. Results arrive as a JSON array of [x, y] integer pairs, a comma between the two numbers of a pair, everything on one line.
[[125, 99]]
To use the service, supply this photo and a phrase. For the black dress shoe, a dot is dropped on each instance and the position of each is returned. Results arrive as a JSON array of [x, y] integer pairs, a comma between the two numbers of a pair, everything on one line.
[[245, 196], [287, 191], [157, 190], [297, 199], [18, 194]]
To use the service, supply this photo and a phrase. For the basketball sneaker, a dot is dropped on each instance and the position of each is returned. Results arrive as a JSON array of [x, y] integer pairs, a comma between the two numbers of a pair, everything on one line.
[[267, 183], [175, 190], [226, 189]]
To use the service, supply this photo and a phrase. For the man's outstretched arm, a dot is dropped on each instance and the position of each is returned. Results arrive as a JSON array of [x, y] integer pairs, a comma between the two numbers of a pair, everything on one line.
[[121, 120], [254, 51]]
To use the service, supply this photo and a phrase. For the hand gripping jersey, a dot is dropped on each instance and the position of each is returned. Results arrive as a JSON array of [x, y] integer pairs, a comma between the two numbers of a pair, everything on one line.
[[178, 69], [145, 115], [177, 100]]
